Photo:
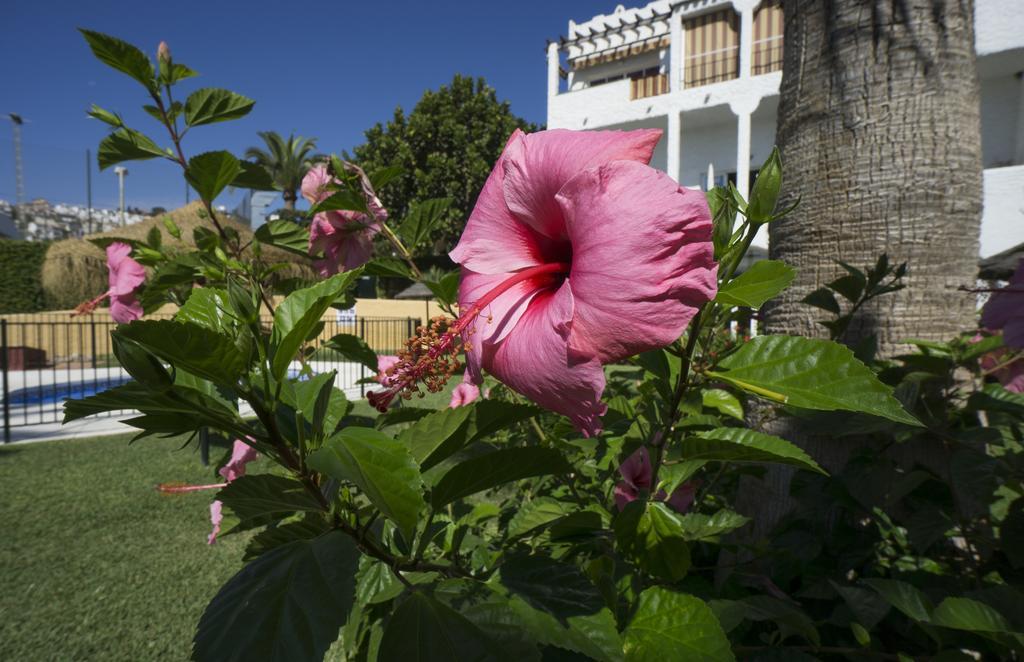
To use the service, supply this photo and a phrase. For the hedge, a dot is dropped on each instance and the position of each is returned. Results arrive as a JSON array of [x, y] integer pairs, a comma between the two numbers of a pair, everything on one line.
[[21, 263]]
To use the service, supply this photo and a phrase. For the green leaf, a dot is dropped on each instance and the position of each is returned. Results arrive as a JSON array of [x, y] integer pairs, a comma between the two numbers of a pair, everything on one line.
[[140, 364], [286, 605], [127, 145], [484, 472], [422, 218], [765, 192], [113, 119], [851, 287], [789, 619], [189, 346], [209, 105], [723, 401], [674, 626], [535, 514], [286, 235], [707, 528], [353, 348], [390, 267], [824, 299], [339, 200], [446, 289], [121, 56], [254, 176], [312, 397], [812, 374], [424, 629], [208, 307], [904, 597], [179, 72], [437, 436], [210, 173], [301, 310], [745, 445], [593, 635], [559, 588], [381, 178], [190, 408], [970, 615], [653, 535], [763, 280], [272, 537], [381, 467], [257, 499]]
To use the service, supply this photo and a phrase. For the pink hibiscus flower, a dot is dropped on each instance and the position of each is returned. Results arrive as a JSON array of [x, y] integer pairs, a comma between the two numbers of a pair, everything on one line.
[[577, 254], [465, 393], [636, 474], [241, 455], [1005, 310], [384, 363], [344, 237], [1009, 373], [124, 276]]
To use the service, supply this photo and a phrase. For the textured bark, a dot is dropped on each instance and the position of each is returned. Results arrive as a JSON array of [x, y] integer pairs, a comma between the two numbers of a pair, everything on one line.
[[880, 137], [879, 131]]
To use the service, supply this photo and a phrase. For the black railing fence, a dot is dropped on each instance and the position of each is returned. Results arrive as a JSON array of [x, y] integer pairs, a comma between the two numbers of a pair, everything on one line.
[[48, 359]]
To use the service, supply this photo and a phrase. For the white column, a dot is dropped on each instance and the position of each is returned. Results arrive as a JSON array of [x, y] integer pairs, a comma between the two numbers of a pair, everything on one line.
[[676, 50], [553, 69], [674, 139], [743, 154], [746, 10]]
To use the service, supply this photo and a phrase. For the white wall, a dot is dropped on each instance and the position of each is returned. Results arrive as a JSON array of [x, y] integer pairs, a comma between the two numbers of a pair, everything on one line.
[[1000, 115], [625, 66], [998, 25], [1002, 219]]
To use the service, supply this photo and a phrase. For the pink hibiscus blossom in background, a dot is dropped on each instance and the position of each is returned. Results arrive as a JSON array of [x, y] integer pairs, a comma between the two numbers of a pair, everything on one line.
[[384, 363], [241, 455], [465, 393], [1005, 310], [1008, 373], [578, 254], [345, 237], [124, 276], [636, 474]]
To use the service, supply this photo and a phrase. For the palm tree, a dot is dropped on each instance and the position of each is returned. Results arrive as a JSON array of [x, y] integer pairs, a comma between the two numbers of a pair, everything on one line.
[[287, 161]]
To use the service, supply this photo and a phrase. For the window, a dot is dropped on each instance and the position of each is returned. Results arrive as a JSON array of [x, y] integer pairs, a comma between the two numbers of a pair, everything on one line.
[[647, 83], [767, 43], [712, 48]]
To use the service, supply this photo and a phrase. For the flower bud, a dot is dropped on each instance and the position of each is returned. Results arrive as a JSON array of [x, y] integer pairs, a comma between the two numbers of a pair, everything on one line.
[[163, 52]]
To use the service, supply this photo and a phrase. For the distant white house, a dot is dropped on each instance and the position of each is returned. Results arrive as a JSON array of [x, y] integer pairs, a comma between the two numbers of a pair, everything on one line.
[[707, 72]]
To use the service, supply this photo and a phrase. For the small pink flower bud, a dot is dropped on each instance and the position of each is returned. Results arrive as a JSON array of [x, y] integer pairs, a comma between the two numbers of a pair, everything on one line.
[[163, 52]]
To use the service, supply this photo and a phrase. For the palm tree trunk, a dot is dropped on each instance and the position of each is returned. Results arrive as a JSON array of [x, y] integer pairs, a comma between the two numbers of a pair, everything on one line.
[[879, 131], [880, 137], [289, 200]]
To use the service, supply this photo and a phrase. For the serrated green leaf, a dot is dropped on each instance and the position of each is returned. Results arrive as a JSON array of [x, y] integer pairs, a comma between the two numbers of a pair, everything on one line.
[[535, 514], [381, 467], [970, 615], [745, 445], [300, 311], [905, 597], [353, 348], [140, 364], [197, 349], [127, 145], [762, 281], [343, 200], [422, 218], [255, 177], [113, 119], [722, 401], [424, 629], [391, 267], [674, 626], [286, 235], [484, 472], [824, 299], [653, 535], [812, 374], [700, 527], [257, 499], [446, 289], [210, 104], [210, 173], [208, 307], [286, 605], [272, 537], [122, 56], [559, 588]]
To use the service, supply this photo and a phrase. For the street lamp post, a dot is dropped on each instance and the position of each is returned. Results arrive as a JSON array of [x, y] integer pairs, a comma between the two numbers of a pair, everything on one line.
[[121, 173]]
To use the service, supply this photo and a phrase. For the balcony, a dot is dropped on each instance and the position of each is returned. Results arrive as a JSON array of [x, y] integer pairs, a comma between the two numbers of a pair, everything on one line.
[[647, 83]]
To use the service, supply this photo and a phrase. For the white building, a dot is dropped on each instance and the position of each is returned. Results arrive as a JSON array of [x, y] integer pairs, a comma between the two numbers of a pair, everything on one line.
[[707, 72]]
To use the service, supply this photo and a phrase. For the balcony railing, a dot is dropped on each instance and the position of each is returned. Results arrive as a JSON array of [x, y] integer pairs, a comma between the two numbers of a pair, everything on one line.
[[767, 56], [708, 68]]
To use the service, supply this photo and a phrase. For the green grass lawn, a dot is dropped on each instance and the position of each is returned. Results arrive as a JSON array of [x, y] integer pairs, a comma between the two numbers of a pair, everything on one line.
[[95, 564]]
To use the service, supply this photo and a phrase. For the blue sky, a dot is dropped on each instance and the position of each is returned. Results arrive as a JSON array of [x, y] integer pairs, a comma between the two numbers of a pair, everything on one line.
[[328, 69]]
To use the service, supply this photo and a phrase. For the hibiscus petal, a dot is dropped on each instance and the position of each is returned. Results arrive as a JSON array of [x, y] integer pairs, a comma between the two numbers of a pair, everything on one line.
[[624, 493], [636, 469], [538, 165], [494, 240], [314, 184], [642, 252], [534, 361], [682, 497], [125, 308], [124, 273], [465, 393], [241, 455], [216, 517]]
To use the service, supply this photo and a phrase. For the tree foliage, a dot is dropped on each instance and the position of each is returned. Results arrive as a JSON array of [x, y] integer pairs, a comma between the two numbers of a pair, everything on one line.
[[445, 147]]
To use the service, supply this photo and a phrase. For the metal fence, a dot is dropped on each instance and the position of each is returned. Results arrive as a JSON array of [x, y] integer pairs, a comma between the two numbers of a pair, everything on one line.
[[48, 359]]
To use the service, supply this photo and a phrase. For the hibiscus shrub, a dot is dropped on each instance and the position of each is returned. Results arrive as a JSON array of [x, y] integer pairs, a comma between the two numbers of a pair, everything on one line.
[[580, 498]]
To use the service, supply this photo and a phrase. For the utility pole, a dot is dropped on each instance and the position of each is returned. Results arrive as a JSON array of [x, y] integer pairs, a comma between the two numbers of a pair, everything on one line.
[[88, 186], [19, 187], [121, 173]]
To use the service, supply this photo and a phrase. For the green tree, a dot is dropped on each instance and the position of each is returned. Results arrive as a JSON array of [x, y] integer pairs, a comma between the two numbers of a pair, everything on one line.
[[287, 161], [446, 147]]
